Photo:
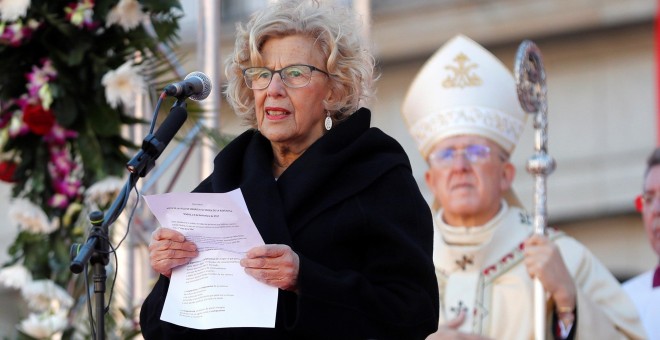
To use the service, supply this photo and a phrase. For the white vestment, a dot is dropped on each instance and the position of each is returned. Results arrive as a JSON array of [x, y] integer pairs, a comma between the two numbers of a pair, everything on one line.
[[647, 300], [481, 269]]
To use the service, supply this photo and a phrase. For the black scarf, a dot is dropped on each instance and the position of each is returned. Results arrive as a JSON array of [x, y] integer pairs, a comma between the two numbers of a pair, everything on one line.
[[344, 161]]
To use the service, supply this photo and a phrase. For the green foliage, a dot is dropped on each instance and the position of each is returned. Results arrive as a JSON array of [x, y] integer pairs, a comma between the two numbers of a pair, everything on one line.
[[80, 56]]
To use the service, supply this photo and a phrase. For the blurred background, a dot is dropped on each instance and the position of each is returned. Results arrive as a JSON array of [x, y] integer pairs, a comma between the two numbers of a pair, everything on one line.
[[600, 59]]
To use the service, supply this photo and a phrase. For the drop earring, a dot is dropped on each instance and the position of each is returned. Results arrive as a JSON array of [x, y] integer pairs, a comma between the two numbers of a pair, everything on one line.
[[328, 121]]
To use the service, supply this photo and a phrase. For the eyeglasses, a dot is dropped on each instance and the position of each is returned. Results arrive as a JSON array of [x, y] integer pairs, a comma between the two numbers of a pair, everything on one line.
[[474, 153], [645, 199], [294, 76]]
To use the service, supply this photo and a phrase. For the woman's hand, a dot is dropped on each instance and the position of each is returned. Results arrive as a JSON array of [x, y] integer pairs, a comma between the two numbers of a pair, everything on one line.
[[169, 249], [448, 331], [273, 264], [543, 261]]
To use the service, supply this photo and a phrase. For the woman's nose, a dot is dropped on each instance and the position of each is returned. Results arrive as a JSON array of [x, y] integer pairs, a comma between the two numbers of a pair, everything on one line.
[[276, 86]]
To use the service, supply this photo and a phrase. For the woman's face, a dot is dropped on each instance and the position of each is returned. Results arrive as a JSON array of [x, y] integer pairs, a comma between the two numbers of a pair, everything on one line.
[[292, 117]]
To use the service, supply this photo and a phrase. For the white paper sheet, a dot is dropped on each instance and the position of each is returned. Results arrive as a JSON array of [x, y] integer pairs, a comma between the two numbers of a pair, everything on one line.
[[213, 290]]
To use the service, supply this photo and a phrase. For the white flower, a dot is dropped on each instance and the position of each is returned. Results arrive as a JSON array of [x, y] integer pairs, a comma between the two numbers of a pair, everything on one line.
[[16, 276], [4, 137], [122, 84], [103, 191], [46, 96], [43, 295], [32, 24], [128, 14], [44, 325], [11, 10], [16, 124], [30, 217], [129, 325]]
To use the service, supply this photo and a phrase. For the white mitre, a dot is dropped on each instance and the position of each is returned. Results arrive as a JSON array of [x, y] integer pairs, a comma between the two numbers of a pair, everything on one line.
[[463, 89]]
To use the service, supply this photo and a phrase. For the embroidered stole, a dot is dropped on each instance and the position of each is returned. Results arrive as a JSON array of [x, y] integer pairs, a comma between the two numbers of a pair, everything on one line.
[[466, 271]]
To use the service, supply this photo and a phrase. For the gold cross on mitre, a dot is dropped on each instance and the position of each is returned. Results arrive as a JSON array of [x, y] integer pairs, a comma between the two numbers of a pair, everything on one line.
[[461, 73]]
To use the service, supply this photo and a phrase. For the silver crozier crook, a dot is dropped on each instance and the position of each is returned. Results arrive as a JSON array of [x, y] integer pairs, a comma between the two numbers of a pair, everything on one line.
[[530, 81]]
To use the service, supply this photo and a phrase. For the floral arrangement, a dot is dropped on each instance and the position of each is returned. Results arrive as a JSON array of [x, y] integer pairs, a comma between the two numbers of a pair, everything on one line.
[[69, 73]]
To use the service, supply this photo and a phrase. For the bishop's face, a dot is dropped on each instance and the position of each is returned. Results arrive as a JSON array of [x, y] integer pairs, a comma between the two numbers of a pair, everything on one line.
[[468, 176], [651, 212]]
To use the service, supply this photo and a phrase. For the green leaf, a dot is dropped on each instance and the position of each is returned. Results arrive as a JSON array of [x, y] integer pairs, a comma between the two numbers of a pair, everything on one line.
[[161, 6], [65, 110], [80, 58], [90, 152], [104, 121], [77, 53], [52, 20]]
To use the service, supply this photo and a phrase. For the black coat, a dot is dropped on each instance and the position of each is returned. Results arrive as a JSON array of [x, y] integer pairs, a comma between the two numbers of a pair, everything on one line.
[[351, 209]]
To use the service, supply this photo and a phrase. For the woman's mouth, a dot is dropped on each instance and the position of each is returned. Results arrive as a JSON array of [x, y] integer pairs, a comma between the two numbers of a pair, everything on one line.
[[276, 113]]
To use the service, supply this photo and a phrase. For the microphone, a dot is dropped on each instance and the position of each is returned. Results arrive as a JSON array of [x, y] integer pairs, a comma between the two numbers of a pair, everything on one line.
[[153, 145], [170, 127], [196, 86]]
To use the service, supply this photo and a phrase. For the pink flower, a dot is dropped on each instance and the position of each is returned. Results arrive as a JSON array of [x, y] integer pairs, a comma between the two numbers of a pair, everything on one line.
[[69, 188], [80, 14], [24, 101], [60, 162], [59, 201], [41, 75], [58, 135], [63, 173], [38, 79], [5, 117], [16, 33], [11, 34]]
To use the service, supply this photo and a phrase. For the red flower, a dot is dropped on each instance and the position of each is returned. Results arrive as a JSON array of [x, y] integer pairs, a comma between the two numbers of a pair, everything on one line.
[[7, 170], [38, 120]]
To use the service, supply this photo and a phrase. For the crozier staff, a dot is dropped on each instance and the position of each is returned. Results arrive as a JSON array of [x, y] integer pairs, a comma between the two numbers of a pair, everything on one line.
[[462, 110], [348, 235]]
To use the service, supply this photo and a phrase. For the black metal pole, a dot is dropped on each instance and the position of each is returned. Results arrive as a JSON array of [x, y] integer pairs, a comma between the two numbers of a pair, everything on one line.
[[99, 260], [99, 296]]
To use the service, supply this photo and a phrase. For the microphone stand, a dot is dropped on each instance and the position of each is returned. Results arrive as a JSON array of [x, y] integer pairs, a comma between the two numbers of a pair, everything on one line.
[[96, 248]]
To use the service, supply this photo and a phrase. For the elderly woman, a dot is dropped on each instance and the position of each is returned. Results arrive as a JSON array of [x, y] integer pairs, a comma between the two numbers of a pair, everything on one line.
[[348, 235]]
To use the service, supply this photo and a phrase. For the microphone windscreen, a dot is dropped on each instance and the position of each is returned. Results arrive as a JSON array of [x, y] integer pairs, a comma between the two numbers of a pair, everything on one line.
[[201, 80]]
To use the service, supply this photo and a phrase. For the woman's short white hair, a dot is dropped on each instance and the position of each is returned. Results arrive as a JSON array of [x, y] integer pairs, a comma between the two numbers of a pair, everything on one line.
[[337, 34]]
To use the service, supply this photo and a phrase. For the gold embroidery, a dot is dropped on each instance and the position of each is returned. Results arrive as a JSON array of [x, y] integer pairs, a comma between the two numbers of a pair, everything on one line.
[[463, 262], [429, 127], [461, 73]]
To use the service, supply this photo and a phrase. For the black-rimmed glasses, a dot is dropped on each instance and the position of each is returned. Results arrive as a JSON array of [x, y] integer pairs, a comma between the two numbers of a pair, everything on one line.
[[294, 76]]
